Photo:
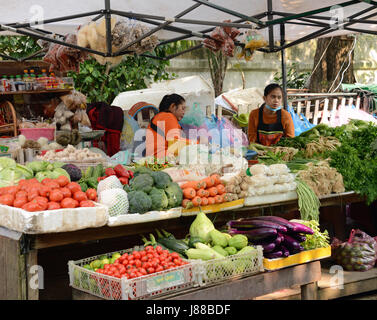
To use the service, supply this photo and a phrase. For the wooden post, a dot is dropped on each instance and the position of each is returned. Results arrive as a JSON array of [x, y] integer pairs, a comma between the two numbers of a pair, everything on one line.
[[316, 111], [309, 291], [307, 111]]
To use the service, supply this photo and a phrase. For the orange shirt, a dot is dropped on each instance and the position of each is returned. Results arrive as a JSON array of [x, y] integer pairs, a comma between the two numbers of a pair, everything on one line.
[[156, 144], [286, 120]]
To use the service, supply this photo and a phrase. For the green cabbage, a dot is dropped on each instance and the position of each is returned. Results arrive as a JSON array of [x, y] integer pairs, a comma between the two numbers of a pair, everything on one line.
[[201, 227], [7, 163], [56, 173], [42, 175], [39, 166], [27, 173], [10, 176]]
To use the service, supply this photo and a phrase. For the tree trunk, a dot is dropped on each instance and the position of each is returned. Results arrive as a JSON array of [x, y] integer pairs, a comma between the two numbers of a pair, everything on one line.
[[335, 60], [218, 64]]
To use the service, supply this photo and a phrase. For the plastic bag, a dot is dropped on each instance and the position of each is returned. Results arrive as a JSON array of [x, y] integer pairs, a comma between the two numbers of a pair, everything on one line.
[[81, 117], [130, 126], [74, 100], [195, 116], [359, 253], [116, 200], [111, 182], [300, 125]]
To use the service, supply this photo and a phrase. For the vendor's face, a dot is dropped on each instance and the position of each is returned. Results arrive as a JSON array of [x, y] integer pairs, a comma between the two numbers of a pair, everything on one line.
[[274, 98], [178, 110]]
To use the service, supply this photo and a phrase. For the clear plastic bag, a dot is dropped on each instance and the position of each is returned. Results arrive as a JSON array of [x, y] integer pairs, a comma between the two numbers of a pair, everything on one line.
[[195, 116], [74, 100], [359, 253]]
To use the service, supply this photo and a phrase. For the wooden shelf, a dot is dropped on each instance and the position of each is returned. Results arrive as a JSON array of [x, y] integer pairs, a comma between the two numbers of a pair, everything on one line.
[[36, 92]]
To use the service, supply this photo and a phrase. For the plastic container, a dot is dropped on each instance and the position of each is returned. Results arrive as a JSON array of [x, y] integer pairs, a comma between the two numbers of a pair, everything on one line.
[[231, 267], [145, 287], [36, 133]]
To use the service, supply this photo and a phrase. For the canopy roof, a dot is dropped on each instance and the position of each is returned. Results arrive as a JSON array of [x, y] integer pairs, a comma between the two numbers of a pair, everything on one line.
[[292, 20]]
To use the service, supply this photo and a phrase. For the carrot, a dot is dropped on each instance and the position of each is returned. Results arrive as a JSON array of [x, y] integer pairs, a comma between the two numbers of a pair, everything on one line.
[[196, 201], [220, 189], [219, 199], [210, 182], [216, 177], [213, 191], [202, 193], [187, 204], [189, 193], [204, 201], [211, 200], [193, 184]]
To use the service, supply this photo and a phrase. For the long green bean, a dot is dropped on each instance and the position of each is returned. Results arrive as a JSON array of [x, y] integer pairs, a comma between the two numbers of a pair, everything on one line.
[[308, 202]]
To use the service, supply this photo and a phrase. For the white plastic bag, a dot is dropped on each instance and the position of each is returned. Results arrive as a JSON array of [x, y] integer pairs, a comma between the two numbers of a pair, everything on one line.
[[116, 200], [111, 182]]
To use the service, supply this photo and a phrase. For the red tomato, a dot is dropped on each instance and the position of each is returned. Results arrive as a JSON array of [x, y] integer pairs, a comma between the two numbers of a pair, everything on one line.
[[159, 268], [131, 262], [150, 256], [56, 195], [148, 248], [19, 202], [91, 194], [87, 203], [177, 262], [62, 181], [130, 257], [52, 185], [142, 253], [46, 181], [7, 200], [66, 192], [144, 259], [74, 187], [125, 255], [137, 255], [147, 265], [174, 255], [80, 196], [31, 206], [143, 271], [150, 270], [69, 203], [21, 194], [138, 263], [159, 249], [41, 201]]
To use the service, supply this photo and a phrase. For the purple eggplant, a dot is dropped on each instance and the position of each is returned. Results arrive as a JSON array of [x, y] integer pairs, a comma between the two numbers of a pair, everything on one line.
[[290, 243], [256, 223], [285, 251], [273, 255], [269, 247], [297, 236], [278, 220], [279, 240], [255, 234], [300, 228]]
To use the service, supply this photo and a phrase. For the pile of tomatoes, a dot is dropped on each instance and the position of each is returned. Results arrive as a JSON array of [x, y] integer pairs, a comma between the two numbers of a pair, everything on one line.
[[50, 194], [141, 263]]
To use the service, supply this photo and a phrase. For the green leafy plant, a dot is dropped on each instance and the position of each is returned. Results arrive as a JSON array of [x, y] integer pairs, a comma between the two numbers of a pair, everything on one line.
[[295, 79], [18, 46]]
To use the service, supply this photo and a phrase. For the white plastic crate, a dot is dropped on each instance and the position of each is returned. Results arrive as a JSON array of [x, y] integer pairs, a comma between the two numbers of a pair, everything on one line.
[[230, 267], [145, 287]]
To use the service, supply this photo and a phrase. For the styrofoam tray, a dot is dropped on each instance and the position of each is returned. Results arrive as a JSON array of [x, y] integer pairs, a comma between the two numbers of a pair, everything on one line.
[[270, 198], [52, 221], [134, 218]]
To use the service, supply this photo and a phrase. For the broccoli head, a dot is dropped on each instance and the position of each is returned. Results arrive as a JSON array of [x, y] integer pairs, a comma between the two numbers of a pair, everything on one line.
[[174, 194], [143, 182], [161, 179], [141, 170], [139, 202], [159, 199]]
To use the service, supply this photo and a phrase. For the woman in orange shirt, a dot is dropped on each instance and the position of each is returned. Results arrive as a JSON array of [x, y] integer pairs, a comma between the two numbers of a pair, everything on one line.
[[270, 122], [165, 126]]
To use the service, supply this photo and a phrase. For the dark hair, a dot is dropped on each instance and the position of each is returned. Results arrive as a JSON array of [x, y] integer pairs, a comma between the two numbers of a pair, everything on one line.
[[168, 100], [272, 87]]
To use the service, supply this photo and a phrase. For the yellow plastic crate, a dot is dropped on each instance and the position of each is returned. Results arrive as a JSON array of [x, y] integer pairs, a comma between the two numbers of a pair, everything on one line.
[[298, 258], [214, 207]]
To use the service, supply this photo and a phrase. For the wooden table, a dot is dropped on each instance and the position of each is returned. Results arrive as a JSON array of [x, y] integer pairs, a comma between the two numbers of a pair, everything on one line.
[[304, 275], [21, 254]]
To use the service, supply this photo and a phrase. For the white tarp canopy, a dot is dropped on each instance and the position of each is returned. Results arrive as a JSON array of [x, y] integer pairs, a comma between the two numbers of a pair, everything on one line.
[[24, 11]]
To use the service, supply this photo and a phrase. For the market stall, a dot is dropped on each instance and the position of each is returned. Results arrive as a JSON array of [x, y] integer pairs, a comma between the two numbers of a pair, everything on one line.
[[228, 215]]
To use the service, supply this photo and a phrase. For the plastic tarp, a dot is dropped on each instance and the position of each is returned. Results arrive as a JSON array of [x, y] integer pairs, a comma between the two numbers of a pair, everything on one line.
[[195, 89], [30, 10], [245, 100]]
